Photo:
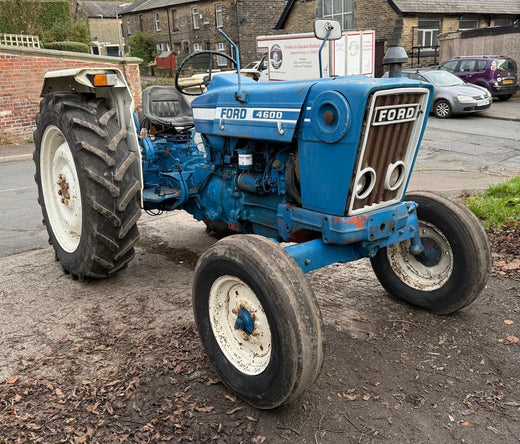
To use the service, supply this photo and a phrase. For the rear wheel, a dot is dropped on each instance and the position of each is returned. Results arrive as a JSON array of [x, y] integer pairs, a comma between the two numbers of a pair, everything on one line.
[[258, 320], [457, 263], [442, 109], [504, 97], [88, 185]]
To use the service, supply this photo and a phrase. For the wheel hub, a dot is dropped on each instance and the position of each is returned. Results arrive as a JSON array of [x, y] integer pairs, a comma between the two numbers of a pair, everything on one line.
[[431, 254], [245, 321], [63, 191]]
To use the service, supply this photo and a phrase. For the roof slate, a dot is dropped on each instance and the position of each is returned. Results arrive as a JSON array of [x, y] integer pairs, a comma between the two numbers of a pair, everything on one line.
[[146, 5], [95, 9], [496, 7]]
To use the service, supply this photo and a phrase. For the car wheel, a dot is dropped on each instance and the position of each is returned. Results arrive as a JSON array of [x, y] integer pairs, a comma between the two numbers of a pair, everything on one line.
[[504, 97], [442, 109]]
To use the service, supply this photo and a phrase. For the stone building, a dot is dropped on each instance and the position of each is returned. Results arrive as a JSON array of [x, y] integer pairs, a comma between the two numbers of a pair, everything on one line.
[[185, 26], [413, 24], [188, 25], [103, 24]]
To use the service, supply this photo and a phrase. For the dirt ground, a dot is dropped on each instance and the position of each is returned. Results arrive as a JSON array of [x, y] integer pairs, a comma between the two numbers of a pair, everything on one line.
[[119, 360]]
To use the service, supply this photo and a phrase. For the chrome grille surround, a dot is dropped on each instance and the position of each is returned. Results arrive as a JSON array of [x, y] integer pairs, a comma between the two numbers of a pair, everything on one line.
[[391, 131]]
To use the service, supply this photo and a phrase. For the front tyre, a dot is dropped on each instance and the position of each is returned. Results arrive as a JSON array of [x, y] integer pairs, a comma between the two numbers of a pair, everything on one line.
[[442, 109], [258, 320], [457, 264], [88, 184]]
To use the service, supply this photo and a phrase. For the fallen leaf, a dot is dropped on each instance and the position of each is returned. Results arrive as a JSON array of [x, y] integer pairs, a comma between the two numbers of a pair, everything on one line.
[[251, 419], [451, 418], [513, 339], [366, 397], [508, 322], [465, 423], [236, 409], [350, 397], [59, 393], [494, 430], [177, 368], [13, 380], [204, 409]]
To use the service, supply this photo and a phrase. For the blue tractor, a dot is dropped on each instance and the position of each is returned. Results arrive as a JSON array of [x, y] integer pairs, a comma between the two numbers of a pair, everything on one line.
[[303, 174]]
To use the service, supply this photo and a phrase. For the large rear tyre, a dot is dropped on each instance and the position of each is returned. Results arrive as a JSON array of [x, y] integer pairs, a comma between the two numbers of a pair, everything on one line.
[[88, 184], [456, 267], [258, 320]]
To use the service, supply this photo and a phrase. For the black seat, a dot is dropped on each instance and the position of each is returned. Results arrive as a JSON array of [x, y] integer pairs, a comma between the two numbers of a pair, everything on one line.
[[166, 106]]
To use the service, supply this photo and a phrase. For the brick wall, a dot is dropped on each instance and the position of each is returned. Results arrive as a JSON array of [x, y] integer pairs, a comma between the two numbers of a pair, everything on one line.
[[302, 17], [23, 70]]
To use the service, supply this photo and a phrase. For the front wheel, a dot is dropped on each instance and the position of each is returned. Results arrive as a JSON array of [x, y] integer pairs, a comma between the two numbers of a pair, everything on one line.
[[442, 109], [457, 263], [258, 320]]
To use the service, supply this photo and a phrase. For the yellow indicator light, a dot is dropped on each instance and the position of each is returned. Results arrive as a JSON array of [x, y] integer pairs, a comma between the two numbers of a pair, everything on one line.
[[104, 80]]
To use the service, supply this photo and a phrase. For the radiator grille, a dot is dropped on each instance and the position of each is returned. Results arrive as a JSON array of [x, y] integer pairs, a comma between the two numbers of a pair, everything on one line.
[[392, 128]]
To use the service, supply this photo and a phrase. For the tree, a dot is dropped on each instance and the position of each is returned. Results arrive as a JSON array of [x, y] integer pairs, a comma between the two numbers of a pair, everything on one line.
[[143, 45]]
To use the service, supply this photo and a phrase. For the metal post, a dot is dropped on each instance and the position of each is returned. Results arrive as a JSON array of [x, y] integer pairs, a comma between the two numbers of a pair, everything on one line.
[[120, 52]]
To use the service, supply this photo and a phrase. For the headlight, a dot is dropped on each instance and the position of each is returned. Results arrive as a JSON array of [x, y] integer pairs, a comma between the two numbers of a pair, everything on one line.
[[465, 99], [488, 94]]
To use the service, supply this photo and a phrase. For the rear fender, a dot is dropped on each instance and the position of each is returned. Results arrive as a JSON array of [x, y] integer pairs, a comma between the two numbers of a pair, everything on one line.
[[80, 80]]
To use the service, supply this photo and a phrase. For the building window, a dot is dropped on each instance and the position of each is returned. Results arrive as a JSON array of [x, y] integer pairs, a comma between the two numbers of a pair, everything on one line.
[[207, 45], [427, 33], [195, 14], [340, 10], [186, 46], [175, 20], [128, 27], [465, 24], [219, 17], [221, 61], [157, 21], [141, 27], [503, 22], [196, 47]]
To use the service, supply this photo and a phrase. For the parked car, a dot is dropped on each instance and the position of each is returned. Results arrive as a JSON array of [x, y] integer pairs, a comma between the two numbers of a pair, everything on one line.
[[451, 95], [258, 65], [498, 74]]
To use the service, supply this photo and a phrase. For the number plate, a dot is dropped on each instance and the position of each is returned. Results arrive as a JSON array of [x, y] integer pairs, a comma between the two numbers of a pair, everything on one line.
[[482, 102], [507, 81]]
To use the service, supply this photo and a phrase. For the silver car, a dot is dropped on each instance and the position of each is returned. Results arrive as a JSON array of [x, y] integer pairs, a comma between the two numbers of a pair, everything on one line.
[[451, 95]]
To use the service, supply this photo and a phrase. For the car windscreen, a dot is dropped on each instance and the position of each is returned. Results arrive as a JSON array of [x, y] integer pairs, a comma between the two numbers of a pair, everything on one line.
[[442, 78]]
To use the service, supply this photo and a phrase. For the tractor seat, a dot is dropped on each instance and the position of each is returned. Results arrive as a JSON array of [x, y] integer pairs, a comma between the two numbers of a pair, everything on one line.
[[166, 106]]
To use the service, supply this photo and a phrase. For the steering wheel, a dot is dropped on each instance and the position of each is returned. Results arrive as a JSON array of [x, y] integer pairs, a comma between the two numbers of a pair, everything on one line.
[[192, 86]]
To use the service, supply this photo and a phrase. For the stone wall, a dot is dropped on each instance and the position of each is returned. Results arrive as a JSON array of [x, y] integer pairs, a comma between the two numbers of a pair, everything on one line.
[[23, 70]]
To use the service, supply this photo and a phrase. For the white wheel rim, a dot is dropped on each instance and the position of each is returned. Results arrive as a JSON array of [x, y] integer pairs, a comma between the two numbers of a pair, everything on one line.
[[251, 353], [60, 188], [414, 273]]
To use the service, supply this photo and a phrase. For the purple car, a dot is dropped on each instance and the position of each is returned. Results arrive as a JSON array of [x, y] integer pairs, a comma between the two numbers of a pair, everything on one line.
[[497, 74]]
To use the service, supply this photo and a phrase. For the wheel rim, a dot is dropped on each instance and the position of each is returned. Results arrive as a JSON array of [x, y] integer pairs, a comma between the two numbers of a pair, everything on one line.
[[60, 188], [443, 109], [415, 271], [240, 325]]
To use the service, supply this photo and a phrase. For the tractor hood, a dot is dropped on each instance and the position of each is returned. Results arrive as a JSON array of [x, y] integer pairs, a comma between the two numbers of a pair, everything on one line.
[[270, 112]]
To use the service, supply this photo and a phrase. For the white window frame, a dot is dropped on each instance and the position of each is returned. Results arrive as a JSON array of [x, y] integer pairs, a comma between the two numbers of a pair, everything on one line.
[[196, 17], [196, 47], [128, 27], [465, 28], [343, 13], [428, 34], [157, 21], [221, 61], [219, 15]]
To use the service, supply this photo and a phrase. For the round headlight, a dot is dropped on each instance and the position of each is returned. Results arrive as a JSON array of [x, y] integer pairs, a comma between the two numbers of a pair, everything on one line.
[[365, 181], [395, 174]]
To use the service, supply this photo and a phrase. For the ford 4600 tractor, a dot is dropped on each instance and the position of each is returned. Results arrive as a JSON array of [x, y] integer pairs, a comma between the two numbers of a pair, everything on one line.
[[302, 173]]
